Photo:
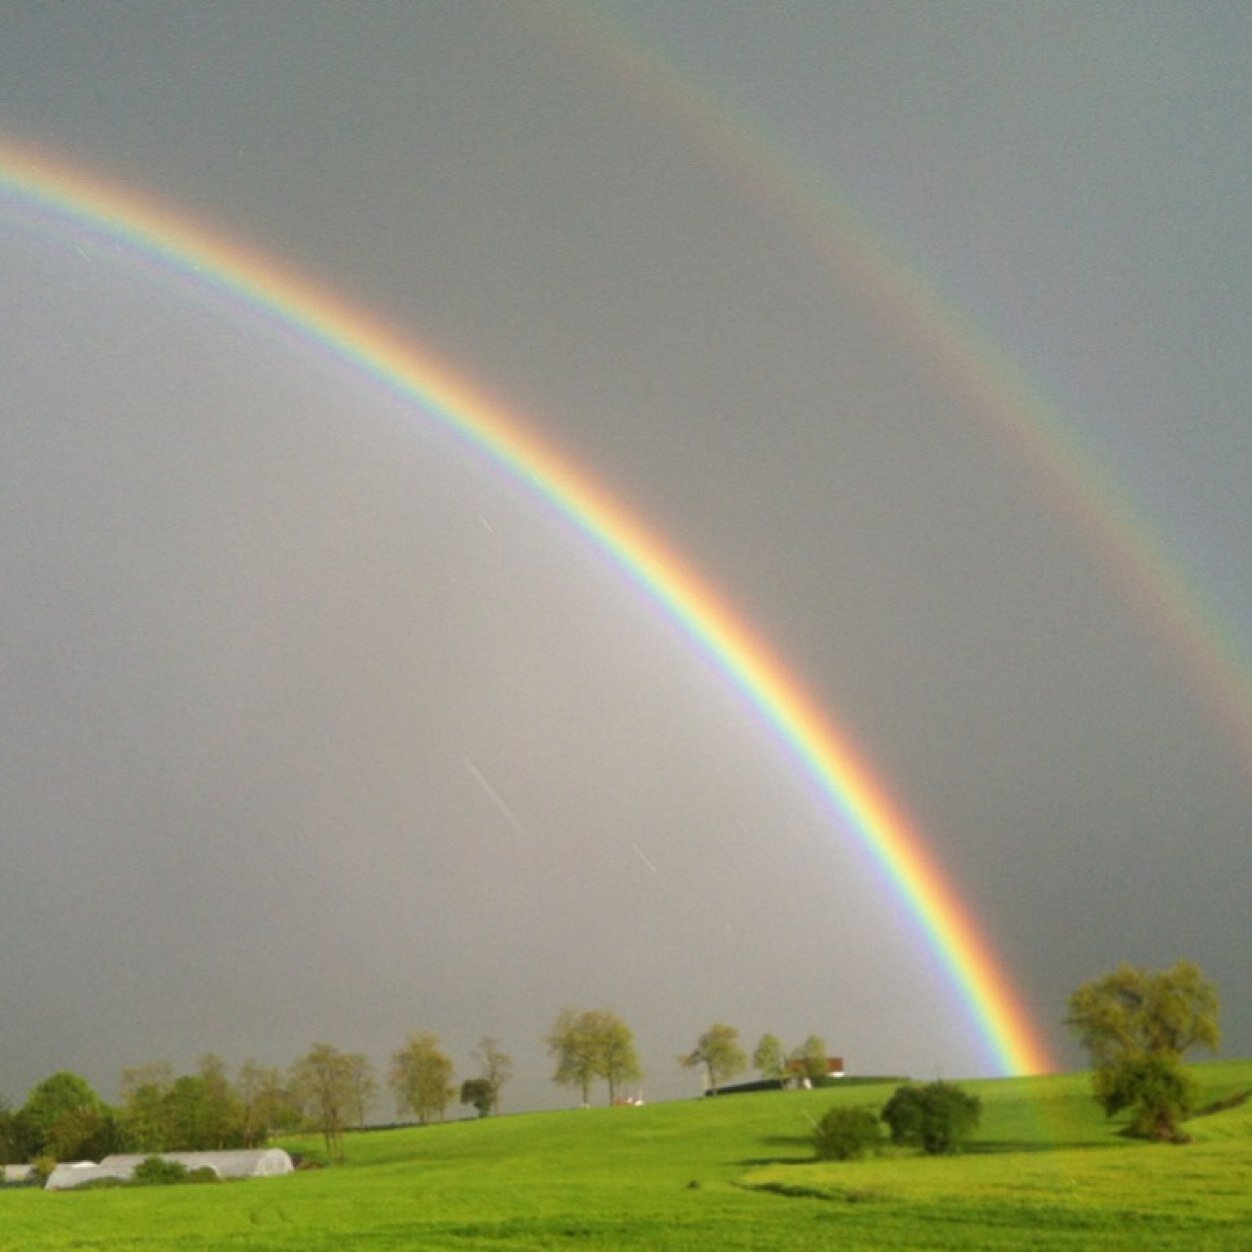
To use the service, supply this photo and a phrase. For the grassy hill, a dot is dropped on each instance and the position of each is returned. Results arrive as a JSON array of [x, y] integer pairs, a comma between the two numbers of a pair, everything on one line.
[[1044, 1171]]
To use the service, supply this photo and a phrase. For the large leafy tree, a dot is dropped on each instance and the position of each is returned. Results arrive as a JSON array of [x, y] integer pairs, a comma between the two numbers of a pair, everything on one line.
[[572, 1043], [719, 1053], [592, 1045], [1138, 1024], [63, 1117], [619, 1061], [421, 1077]]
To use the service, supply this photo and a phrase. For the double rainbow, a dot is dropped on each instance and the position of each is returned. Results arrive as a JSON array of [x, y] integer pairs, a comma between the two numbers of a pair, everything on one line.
[[863, 807]]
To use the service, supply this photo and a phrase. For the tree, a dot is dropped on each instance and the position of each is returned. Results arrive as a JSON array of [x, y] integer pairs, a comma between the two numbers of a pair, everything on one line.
[[11, 1148], [718, 1051], [809, 1059], [1137, 1025], [194, 1112], [591, 1045], [268, 1104], [846, 1134], [203, 1113], [321, 1082], [364, 1086], [156, 1074], [770, 1059], [496, 1068], [480, 1093], [88, 1133], [936, 1117], [63, 1117], [145, 1106], [218, 1121], [421, 1077], [619, 1062], [573, 1044]]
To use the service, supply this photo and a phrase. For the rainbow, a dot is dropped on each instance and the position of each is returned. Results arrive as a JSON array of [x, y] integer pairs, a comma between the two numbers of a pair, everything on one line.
[[825, 751], [910, 307]]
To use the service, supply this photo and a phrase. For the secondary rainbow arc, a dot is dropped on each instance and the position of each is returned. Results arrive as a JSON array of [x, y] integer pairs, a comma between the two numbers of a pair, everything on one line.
[[826, 752], [911, 307]]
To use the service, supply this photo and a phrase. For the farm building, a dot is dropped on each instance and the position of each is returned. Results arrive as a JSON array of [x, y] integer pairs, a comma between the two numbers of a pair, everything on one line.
[[243, 1163], [71, 1174], [797, 1069]]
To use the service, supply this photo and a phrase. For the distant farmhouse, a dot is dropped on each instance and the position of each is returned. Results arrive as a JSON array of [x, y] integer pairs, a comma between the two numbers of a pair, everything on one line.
[[245, 1163], [797, 1070]]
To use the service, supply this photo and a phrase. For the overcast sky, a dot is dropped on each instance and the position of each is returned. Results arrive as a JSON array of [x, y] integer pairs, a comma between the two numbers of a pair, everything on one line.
[[315, 727]]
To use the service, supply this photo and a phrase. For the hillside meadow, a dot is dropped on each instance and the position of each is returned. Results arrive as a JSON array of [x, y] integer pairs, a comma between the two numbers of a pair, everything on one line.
[[1045, 1170]]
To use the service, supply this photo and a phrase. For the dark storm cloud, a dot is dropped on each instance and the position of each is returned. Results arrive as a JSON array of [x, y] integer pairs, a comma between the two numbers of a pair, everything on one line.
[[258, 618]]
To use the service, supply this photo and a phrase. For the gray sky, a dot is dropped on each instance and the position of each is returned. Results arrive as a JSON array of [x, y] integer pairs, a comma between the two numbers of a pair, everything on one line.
[[316, 727]]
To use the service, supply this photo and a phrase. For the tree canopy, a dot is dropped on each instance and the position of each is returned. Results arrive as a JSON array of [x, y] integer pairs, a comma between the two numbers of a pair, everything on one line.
[[591, 1045], [770, 1058], [322, 1085], [421, 1077], [64, 1118], [719, 1053], [936, 1116], [1138, 1024]]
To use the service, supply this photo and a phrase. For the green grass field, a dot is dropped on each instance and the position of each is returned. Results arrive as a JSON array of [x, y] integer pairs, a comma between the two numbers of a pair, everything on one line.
[[1045, 1170]]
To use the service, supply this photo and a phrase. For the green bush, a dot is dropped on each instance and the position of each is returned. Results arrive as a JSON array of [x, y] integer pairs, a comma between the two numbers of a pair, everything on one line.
[[936, 1117], [157, 1171], [846, 1134]]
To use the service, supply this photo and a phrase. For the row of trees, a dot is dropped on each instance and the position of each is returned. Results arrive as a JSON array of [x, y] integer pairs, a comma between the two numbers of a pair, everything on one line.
[[597, 1045], [327, 1090], [331, 1091], [719, 1053], [1136, 1023]]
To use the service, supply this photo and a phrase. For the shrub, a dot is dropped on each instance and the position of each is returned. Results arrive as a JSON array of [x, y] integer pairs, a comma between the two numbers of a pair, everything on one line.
[[936, 1117], [846, 1134], [157, 1171]]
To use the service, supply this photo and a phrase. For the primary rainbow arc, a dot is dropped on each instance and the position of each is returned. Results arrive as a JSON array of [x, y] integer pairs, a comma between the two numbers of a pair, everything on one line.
[[826, 752]]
